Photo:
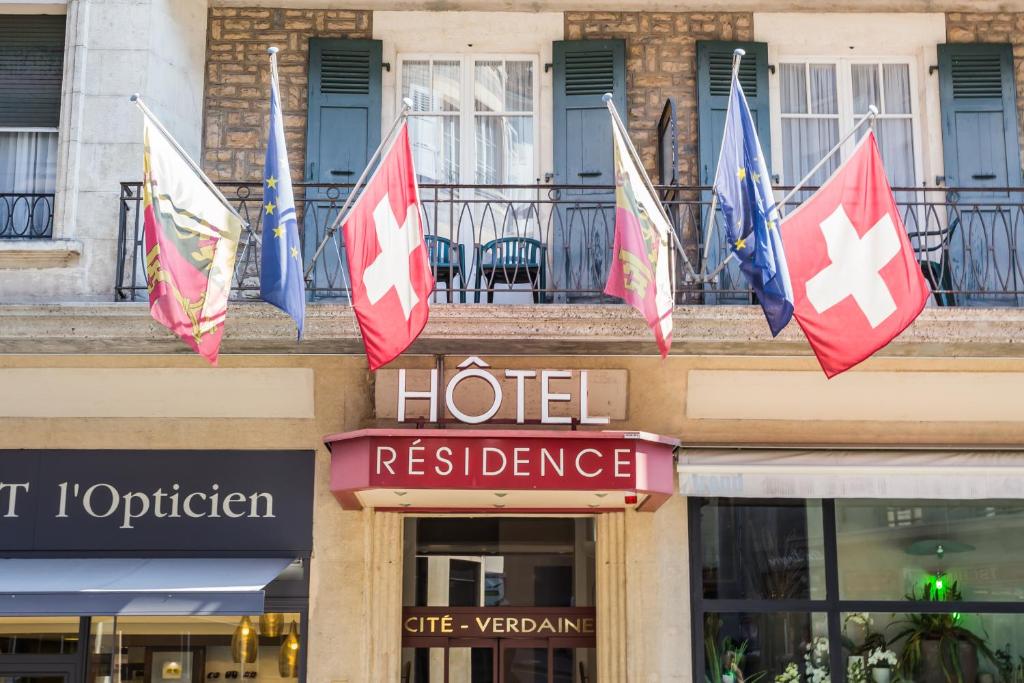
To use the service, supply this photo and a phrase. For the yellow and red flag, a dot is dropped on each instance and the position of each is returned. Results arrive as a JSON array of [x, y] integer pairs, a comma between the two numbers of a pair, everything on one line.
[[639, 272], [191, 238]]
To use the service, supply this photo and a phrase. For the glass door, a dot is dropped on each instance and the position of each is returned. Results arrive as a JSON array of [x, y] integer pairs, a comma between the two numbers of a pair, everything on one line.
[[472, 660], [525, 661]]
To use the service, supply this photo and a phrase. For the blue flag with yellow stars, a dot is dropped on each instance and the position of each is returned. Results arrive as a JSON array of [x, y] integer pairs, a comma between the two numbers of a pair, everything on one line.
[[281, 278], [744, 190]]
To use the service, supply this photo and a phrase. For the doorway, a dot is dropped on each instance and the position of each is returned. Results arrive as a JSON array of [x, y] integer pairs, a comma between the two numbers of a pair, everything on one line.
[[499, 600], [498, 660]]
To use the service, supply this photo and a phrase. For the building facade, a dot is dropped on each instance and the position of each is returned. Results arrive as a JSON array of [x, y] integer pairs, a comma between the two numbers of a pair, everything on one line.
[[530, 493]]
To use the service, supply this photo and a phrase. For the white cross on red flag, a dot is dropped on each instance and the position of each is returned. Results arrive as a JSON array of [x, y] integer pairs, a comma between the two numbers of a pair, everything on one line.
[[387, 257], [856, 283]]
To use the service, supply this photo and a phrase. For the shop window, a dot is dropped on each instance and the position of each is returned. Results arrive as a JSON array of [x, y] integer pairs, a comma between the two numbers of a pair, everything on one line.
[[38, 635], [976, 545], [747, 646], [865, 590], [263, 647], [762, 550]]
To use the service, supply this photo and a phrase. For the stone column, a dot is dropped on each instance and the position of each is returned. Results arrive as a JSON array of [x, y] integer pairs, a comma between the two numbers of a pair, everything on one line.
[[383, 598], [611, 598]]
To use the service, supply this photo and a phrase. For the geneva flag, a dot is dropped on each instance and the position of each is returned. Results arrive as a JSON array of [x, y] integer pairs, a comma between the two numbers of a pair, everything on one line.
[[639, 272], [856, 283], [387, 257], [190, 239]]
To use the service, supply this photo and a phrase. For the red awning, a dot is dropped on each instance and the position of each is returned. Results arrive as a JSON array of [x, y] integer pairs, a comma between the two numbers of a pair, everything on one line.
[[460, 470]]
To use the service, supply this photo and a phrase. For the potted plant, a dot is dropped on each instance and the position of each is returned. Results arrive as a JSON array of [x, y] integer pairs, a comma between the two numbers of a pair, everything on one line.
[[882, 661], [938, 648], [816, 664], [790, 675], [724, 658]]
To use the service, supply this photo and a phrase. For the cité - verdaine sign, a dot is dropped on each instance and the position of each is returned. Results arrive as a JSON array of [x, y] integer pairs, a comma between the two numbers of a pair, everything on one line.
[[476, 393], [156, 501], [499, 622]]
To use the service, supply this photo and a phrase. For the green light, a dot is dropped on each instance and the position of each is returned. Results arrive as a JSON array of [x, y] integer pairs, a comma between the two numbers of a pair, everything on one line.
[[938, 584]]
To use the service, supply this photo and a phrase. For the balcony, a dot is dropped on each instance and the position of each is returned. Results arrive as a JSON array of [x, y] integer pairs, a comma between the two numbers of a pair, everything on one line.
[[26, 215], [552, 244]]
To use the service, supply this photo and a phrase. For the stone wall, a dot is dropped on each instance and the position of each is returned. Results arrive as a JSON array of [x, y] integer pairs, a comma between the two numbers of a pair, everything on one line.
[[661, 61], [974, 27], [238, 77]]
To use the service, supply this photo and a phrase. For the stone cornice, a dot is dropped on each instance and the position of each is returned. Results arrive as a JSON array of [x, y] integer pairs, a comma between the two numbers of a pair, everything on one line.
[[123, 328]]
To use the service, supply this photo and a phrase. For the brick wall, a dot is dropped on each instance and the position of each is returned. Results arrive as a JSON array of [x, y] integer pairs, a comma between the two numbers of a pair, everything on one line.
[[661, 61], [238, 77], [964, 27]]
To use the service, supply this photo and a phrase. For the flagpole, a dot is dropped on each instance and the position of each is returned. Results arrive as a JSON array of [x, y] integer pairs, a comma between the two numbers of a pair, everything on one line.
[[137, 99], [691, 274], [382, 149], [737, 57]]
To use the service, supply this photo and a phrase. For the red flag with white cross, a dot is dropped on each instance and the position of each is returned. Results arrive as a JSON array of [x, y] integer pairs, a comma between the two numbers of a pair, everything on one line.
[[387, 257], [856, 283]]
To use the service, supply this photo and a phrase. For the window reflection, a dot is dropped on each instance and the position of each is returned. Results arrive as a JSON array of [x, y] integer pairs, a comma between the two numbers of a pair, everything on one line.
[[38, 635], [770, 550], [887, 549]]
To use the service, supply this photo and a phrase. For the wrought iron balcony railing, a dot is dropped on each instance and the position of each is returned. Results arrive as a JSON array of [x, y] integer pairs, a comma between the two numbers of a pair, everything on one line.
[[26, 215], [552, 244]]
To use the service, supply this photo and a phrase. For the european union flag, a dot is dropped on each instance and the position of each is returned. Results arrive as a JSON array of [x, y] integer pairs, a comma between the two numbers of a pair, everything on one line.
[[744, 190], [281, 277]]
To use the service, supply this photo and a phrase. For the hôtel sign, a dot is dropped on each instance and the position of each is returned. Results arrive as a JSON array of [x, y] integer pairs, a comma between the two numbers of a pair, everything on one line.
[[500, 470], [475, 393]]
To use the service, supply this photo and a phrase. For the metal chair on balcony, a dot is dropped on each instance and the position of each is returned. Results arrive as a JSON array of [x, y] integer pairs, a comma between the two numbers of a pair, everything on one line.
[[446, 261], [511, 261]]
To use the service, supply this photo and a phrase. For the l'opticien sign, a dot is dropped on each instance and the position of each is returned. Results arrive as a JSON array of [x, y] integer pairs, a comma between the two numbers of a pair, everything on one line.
[[475, 393], [497, 622]]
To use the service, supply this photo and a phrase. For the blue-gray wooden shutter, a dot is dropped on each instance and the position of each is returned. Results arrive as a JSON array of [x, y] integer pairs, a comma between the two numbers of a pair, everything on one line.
[[31, 70], [344, 108], [980, 150], [714, 78], [342, 131], [580, 240], [584, 71], [714, 81], [979, 115]]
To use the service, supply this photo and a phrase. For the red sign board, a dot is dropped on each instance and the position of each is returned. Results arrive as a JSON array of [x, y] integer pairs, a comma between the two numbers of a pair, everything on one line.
[[508, 463]]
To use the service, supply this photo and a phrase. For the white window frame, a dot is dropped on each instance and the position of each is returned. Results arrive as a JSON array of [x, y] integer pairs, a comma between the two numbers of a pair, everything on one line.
[[846, 115], [467, 112]]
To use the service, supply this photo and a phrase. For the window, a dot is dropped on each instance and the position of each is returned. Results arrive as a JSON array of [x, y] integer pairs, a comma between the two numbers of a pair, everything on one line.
[[489, 102], [820, 100], [857, 590], [260, 647], [31, 69]]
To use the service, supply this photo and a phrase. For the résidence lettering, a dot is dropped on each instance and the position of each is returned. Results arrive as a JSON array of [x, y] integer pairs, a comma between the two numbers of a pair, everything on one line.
[[491, 461], [104, 500]]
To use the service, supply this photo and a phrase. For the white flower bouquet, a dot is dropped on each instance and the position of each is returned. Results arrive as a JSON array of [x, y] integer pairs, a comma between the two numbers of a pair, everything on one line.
[[881, 658]]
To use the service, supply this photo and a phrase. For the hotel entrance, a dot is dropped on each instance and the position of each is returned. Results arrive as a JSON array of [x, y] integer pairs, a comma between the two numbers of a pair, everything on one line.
[[498, 600]]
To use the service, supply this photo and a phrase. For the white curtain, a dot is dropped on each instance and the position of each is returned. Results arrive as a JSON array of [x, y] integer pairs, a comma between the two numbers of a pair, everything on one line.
[[28, 164], [810, 99], [893, 130]]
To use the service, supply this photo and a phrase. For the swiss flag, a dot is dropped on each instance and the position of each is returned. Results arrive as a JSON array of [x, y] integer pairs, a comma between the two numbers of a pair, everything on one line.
[[387, 258], [856, 283]]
